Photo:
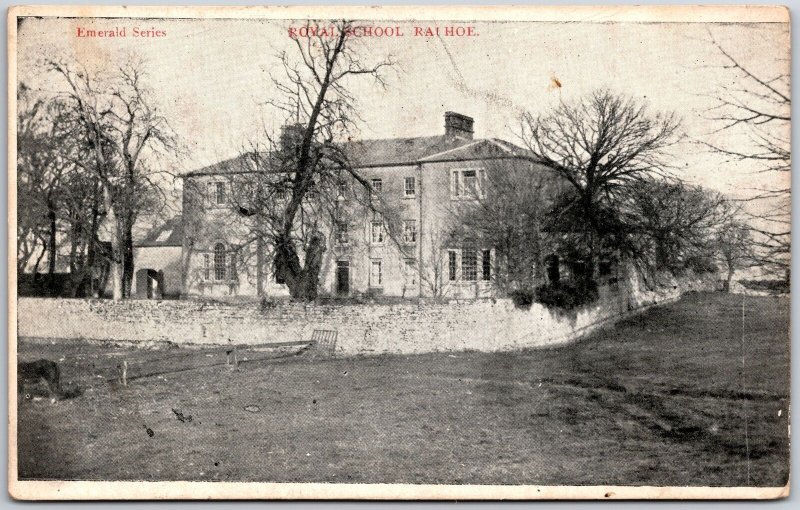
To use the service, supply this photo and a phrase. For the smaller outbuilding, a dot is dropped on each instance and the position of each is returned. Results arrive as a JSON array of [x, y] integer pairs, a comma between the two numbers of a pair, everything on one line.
[[157, 262]]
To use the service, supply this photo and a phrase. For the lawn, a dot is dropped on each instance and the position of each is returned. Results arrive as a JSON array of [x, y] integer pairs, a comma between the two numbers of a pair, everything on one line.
[[684, 394]]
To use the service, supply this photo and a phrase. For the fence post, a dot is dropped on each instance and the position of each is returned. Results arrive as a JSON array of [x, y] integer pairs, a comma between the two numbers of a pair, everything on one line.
[[124, 373]]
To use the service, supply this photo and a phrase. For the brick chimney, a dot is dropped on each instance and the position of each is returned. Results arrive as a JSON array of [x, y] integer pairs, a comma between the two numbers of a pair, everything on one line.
[[292, 136], [457, 126]]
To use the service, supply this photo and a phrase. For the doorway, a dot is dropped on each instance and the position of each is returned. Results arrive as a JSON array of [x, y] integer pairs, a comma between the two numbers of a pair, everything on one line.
[[342, 277], [149, 284]]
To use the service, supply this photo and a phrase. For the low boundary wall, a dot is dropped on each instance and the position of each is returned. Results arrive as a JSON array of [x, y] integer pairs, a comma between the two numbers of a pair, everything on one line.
[[487, 325]]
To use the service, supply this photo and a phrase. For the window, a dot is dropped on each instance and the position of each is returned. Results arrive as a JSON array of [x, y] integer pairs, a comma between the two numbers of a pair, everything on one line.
[[342, 236], [219, 261], [486, 262], [410, 186], [410, 272], [377, 232], [410, 231], [216, 193], [469, 264], [234, 274], [377, 186], [467, 183], [375, 274], [452, 265], [206, 267]]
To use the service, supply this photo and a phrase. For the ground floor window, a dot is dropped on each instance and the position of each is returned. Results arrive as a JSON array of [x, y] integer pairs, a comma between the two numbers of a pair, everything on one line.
[[206, 267], [452, 262], [472, 265], [219, 261], [376, 273], [469, 264]]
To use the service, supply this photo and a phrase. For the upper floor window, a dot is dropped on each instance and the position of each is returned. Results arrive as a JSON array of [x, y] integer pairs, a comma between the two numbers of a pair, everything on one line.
[[410, 187], [216, 193], [220, 259], [467, 183], [410, 231], [342, 235], [377, 232], [377, 186]]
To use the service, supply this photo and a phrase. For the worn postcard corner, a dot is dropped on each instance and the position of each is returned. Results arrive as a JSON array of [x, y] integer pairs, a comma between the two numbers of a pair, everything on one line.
[[429, 253]]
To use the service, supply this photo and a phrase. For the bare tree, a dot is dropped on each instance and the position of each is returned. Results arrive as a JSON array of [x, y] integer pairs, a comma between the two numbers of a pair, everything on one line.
[[124, 134], [672, 226], [510, 215], [734, 241], [758, 108], [39, 174], [293, 189], [600, 145]]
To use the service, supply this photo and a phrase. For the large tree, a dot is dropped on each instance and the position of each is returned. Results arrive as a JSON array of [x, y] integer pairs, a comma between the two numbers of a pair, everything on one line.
[[40, 169], [601, 145], [123, 133], [294, 186], [672, 226]]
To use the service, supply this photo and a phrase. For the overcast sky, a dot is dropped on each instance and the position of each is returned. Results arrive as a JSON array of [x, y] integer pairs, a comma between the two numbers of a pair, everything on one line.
[[211, 76]]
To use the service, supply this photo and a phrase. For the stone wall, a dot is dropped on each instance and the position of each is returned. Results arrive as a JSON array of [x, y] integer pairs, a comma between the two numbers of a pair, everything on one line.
[[487, 325]]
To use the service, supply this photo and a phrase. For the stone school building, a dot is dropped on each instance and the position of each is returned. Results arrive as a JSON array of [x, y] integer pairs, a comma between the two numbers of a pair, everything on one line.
[[425, 179]]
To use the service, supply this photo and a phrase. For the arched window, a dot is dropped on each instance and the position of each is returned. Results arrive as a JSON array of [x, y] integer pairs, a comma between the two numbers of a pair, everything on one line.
[[219, 261]]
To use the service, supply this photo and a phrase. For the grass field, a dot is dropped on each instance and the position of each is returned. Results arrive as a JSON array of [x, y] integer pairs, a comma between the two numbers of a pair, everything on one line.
[[685, 394]]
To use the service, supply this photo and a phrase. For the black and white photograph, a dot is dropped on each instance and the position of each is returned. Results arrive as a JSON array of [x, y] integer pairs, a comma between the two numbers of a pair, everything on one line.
[[399, 252]]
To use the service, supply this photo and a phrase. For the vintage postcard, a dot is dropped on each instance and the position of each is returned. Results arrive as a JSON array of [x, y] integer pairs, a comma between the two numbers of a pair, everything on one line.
[[399, 253]]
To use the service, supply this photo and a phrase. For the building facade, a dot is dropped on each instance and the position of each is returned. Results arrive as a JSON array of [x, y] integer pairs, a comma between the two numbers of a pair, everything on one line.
[[400, 249]]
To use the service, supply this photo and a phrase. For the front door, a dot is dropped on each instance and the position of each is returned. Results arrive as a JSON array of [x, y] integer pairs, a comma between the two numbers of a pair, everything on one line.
[[342, 277]]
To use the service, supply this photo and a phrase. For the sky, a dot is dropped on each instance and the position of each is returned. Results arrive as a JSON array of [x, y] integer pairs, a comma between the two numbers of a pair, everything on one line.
[[211, 77]]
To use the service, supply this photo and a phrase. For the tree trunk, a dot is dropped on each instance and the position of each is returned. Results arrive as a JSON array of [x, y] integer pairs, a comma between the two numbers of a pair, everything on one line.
[[117, 260], [51, 243], [303, 282], [728, 282], [127, 248]]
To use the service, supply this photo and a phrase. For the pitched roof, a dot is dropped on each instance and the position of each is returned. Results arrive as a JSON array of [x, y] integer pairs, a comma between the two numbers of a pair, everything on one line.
[[169, 233], [398, 151], [393, 151], [480, 149]]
